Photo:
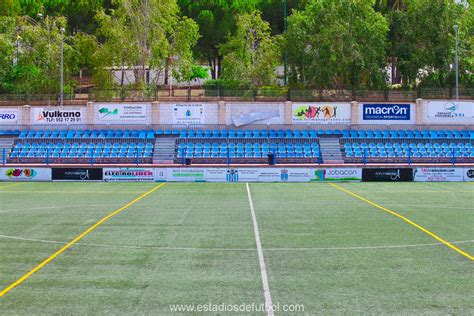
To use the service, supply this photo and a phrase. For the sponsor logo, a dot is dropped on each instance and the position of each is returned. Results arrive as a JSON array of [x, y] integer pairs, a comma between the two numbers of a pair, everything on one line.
[[394, 175], [55, 114], [105, 112], [129, 173], [15, 173], [7, 116], [284, 176], [450, 109], [386, 111], [232, 175], [311, 112], [342, 174], [470, 173]]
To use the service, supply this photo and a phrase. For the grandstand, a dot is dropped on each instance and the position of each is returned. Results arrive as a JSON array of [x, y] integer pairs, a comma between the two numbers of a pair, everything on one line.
[[220, 146]]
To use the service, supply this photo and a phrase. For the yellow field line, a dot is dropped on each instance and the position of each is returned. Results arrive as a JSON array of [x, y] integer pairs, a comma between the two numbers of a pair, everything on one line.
[[75, 240], [10, 185], [426, 231]]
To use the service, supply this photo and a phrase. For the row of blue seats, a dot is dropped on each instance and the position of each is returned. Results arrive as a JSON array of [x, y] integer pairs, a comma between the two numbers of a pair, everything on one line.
[[408, 145], [9, 132], [249, 150], [264, 133], [246, 155], [74, 134], [81, 153], [248, 145], [408, 154], [433, 134], [409, 150], [83, 145]]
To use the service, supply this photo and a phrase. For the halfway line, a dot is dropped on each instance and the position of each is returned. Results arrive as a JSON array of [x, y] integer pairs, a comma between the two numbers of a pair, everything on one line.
[[263, 268], [75, 240], [426, 231]]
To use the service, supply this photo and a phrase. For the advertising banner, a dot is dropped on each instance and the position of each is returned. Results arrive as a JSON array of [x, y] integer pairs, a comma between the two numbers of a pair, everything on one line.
[[58, 115], [469, 174], [189, 113], [439, 174], [8, 117], [261, 175], [387, 174], [321, 113], [160, 174], [122, 113], [448, 110], [25, 174], [129, 175], [186, 174], [77, 174], [343, 174], [386, 112]]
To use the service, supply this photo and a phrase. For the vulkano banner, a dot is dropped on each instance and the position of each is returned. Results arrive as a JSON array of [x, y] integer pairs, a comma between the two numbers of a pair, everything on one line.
[[129, 174], [321, 113], [469, 174], [58, 115], [439, 174], [25, 174], [343, 174]]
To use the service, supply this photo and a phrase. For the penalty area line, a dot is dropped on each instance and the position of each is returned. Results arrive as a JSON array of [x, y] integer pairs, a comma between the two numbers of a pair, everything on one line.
[[409, 221], [75, 240], [261, 260]]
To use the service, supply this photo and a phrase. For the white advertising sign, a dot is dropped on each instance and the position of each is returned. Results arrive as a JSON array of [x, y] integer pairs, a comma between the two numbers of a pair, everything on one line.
[[129, 174], [160, 174], [343, 174], [25, 174], [439, 174], [58, 115], [122, 113], [186, 174], [469, 174], [8, 117], [189, 113], [449, 110], [321, 113]]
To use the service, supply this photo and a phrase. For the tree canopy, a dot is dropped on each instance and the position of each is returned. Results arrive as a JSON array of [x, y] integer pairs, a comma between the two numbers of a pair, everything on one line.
[[345, 44]]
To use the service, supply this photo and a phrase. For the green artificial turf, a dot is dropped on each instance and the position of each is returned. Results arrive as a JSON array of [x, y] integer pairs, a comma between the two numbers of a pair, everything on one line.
[[194, 244]]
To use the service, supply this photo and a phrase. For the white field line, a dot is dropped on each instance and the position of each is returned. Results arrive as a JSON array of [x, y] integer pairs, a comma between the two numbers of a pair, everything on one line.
[[226, 249], [263, 268]]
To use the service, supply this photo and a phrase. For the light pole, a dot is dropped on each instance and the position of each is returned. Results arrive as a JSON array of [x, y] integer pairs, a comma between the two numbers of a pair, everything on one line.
[[456, 62], [61, 96]]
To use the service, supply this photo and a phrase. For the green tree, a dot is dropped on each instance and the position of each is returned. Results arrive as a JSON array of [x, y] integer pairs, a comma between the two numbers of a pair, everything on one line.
[[7, 52], [425, 50], [217, 21], [147, 35], [337, 44], [251, 55], [10, 8]]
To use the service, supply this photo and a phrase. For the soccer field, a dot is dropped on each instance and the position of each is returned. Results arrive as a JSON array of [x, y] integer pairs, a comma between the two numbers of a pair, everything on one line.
[[327, 249]]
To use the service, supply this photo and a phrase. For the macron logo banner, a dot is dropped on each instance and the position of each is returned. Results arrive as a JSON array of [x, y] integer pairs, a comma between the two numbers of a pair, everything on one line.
[[392, 112]]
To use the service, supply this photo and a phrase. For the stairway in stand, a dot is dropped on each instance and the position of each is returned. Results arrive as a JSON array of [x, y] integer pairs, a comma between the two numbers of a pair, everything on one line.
[[6, 145], [331, 150], [164, 151]]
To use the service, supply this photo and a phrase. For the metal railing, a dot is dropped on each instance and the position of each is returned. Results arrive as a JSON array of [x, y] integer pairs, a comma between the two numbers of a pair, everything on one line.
[[208, 93]]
